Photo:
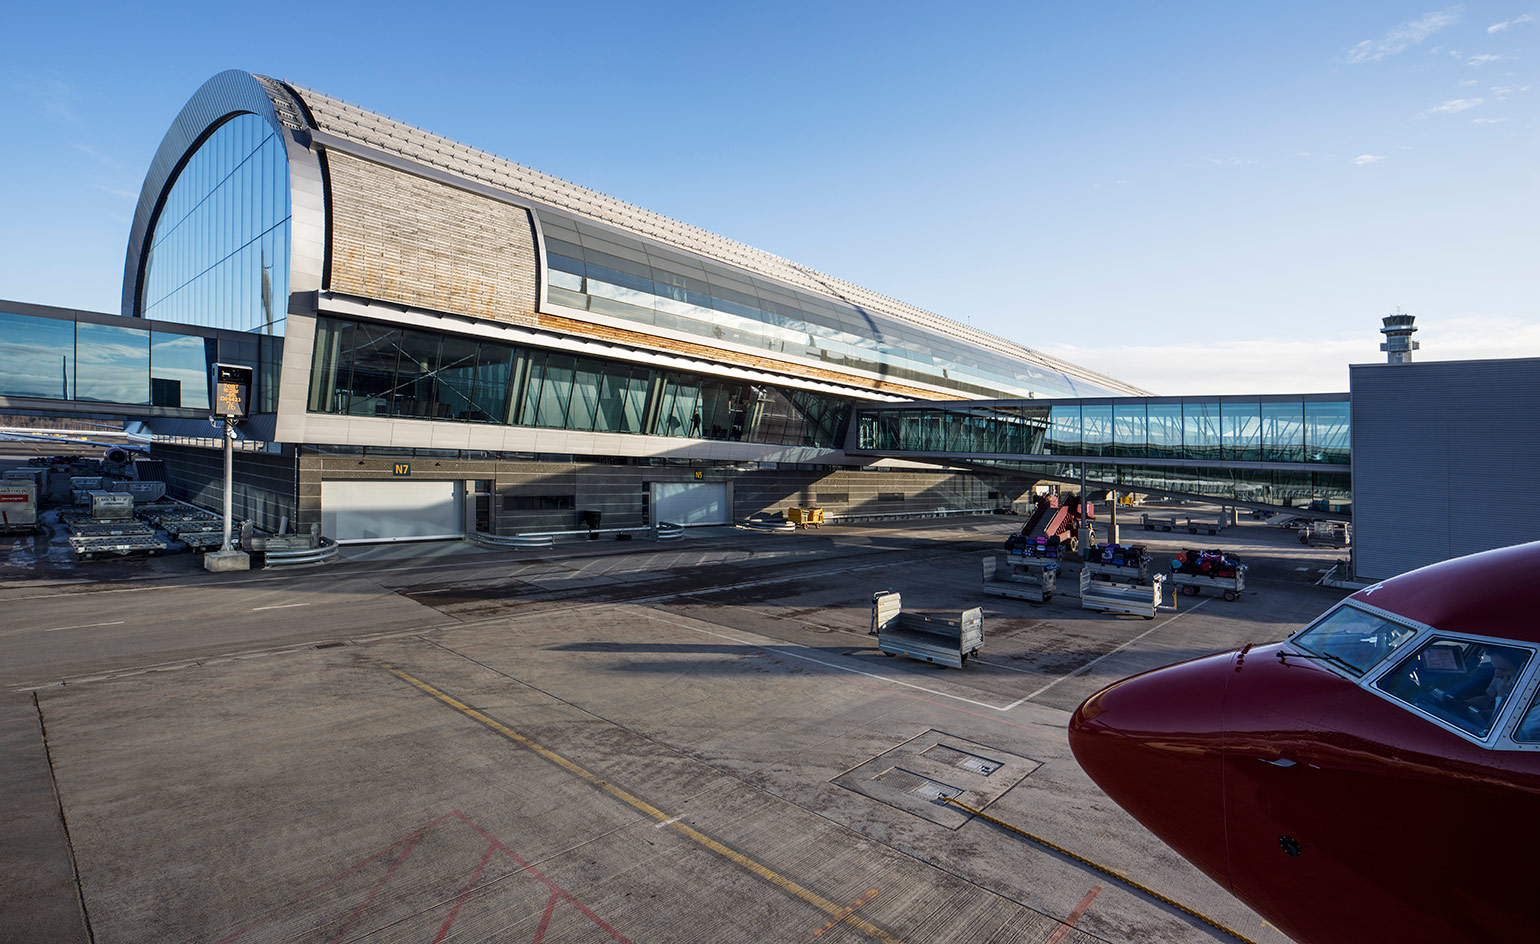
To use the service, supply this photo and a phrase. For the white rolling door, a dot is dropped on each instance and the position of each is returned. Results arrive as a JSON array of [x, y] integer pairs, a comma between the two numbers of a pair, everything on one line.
[[691, 503], [357, 512]]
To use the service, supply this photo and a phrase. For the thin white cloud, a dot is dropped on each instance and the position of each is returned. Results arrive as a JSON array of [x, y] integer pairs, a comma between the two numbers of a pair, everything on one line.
[[1403, 36], [54, 98], [1499, 27], [1485, 58], [1368, 159], [117, 192], [1298, 365], [1487, 121], [1455, 105], [1469, 82]]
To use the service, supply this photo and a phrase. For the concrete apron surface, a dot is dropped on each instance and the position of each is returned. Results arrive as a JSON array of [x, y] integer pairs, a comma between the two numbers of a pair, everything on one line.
[[608, 773], [667, 745]]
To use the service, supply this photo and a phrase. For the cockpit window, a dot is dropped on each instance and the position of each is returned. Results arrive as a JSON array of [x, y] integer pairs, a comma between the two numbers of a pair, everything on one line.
[[1529, 725], [1461, 682], [1353, 639]]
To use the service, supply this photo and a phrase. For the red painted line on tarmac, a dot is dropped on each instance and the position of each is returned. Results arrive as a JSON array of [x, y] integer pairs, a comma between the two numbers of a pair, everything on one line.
[[455, 911], [545, 919], [1075, 915], [555, 889], [369, 899], [411, 837]]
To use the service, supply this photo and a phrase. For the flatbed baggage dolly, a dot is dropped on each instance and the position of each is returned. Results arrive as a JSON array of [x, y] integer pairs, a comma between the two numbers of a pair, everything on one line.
[[1216, 570], [1228, 587], [1131, 598], [1022, 578], [933, 638], [1151, 522]]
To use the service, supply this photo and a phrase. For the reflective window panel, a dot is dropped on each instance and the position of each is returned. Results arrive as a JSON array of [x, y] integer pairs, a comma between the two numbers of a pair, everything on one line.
[[114, 363], [219, 253], [594, 269], [38, 355], [366, 369], [179, 370]]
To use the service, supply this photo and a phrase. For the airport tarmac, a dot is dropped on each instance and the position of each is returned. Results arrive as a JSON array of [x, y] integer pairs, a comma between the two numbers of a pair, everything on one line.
[[629, 741]]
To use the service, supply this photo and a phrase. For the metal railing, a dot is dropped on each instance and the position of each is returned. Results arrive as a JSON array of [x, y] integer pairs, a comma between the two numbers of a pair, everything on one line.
[[312, 555], [664, 531]]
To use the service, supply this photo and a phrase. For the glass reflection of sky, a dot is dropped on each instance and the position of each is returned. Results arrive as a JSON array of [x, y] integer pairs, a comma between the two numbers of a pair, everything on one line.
[[114, 364], [181, 358], [37, 357], [219, 253]]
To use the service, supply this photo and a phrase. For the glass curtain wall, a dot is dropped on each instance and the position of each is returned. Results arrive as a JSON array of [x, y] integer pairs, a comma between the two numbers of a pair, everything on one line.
[[219, 251], [366, 369], [1201, 429], [594, 269], [61, 359]]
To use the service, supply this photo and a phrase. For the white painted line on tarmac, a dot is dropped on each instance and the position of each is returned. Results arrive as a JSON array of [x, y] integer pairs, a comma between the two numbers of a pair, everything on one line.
[[57, 629], [785, 649], [278, 606], [1085, 668], [668, 822]]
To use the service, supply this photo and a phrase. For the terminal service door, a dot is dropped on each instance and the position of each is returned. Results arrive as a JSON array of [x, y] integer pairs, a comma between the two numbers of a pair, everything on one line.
[[691, 503], [393, 510]]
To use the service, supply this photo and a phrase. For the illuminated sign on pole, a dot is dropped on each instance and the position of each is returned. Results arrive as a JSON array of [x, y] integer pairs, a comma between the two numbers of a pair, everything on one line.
[[232, 390]]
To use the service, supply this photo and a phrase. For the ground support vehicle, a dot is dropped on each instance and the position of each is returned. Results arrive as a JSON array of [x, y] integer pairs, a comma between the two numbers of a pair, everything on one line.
[[1135, 599], [1022, 578], [1152, 522], [805, 517], [1194, 525], [944, 640], [1228, 587], [1324, 534]]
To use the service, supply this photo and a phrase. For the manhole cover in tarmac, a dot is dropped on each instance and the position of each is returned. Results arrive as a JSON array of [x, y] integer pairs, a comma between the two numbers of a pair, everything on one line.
[[920, 774]]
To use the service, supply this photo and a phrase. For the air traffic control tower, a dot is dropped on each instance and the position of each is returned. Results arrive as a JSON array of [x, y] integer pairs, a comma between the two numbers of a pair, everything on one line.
[[1398, 331]]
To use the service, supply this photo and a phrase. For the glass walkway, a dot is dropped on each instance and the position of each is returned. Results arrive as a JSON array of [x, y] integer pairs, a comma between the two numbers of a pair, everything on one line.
[[1263, 451]]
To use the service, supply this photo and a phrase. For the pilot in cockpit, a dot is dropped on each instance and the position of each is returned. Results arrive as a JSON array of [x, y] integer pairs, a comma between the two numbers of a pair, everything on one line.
[[1489, 698]]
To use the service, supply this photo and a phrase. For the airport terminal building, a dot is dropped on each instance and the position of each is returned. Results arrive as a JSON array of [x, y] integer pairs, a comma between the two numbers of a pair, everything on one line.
[[522, 348], [445, 342]]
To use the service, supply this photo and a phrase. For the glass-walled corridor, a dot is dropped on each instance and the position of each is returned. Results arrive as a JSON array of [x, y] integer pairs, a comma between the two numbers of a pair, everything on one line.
[[1300, 429], [362, 368]]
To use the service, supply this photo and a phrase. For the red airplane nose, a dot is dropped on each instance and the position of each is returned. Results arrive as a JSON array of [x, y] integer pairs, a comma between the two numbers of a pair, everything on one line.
[[1152, 743]]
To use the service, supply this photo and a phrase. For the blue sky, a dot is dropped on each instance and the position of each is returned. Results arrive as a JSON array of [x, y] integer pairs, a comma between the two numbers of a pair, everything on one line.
[[1195, 197]]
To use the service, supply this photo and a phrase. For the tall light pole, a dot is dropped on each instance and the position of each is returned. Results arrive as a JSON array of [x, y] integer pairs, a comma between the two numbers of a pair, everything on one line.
[[232, 394]]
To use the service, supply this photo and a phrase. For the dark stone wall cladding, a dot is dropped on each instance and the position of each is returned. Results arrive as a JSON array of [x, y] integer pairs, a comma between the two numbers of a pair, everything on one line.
[[552, 496], [264, 484]]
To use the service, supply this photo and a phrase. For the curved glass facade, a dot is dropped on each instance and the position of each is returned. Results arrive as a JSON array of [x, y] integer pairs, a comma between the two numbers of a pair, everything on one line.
[[219, 251], [608, 273], [362, 368]]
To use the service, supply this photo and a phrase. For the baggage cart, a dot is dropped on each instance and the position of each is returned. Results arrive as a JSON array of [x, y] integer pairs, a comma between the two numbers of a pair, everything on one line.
[[110, 506], [1152, 522], [1022, 578], [942, 639], [18, 506], [1228, 587], [1133, 599], [1139, 573], [1194, 525], [88, 547]]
